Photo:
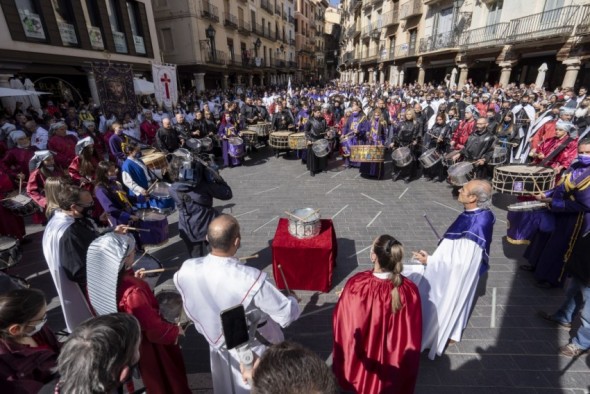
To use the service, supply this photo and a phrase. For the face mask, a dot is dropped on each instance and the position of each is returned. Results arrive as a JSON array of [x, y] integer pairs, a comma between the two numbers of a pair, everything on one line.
[[37, 328], [584, 159], [112, 178], [50, 168], [566, 98], [87, 211], [25, 145]]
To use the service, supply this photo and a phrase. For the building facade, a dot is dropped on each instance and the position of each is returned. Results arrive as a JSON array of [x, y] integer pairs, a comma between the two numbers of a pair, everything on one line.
[[309, 39], [223, 43], [332, 33], [454, 41], [53, 42]]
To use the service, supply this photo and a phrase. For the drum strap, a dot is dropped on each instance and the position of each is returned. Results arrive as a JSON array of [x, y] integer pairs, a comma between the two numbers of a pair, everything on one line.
[[557, 151]]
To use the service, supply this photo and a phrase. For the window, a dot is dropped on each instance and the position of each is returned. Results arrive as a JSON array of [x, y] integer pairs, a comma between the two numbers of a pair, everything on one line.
[[133, 11], [167, 39], [30, 19], [495, 12], [116, 26], [93, 23], [65, 22], [230, 48]]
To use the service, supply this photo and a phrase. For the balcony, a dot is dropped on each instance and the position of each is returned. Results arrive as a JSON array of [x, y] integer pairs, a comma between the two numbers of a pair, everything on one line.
[[291, 19], [583, 27], [258, 29], [367, 4], [410, 9], [487, 36], [210, 12], [244, 27], [268, 33], [292, 41], [292, 64], [278, 9], [285, 16], [391, 18], [371, 30], [405, 50], [216, 57], [559, 22], [439, 41], [280, 64], [266, 6], [370, 57], [230, 20], [347, 58]]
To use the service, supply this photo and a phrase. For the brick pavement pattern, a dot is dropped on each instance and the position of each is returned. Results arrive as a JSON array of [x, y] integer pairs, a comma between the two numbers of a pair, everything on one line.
[[505, 349]]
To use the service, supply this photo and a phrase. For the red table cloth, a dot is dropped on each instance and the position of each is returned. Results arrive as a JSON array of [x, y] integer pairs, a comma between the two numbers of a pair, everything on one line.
[[306, 263]]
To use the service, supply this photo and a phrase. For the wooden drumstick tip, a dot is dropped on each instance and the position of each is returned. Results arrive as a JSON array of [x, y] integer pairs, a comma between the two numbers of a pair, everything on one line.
[[254, 256]]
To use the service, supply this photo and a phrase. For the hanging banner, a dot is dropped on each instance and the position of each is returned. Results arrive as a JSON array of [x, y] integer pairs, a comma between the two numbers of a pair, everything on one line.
[[114, 83], [165, 87]]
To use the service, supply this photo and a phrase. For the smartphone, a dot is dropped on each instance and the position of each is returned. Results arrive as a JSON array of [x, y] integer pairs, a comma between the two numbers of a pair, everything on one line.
[[235, 328]]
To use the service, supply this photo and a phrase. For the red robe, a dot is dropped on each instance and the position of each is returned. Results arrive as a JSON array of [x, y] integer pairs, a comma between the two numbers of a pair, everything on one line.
[[564, 158], [375, 350], [462, 133], [148, 131], [546, 132], [10, 224], [64, 148], [329, 119], [36, 190], [74, 171], [17, 160], [161, 364]]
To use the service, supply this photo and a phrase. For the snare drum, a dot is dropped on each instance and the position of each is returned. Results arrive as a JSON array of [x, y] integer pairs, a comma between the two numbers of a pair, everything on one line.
[[157, 223], [193, 144], [523, 180], [155, 161], [170, 303], [149, 262], [262, 128], [160, 198], [250, 137], [451, 158], [206, 144], [297, 141], [280, 139], [235, 147], [430, 158], [20, 205], [321, 148], [499, 157], [367, 153], [147, 152], [402, 156], [10, 253], [460, 173]]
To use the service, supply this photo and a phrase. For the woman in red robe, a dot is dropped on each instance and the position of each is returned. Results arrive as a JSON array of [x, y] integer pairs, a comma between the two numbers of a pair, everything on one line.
[[43, 165], [10, 224], [83, 170], [62, 144], [17, 159], [567, 153], [378, 326]]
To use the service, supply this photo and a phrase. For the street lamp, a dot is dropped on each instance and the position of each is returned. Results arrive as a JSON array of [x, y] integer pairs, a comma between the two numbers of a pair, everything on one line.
[[257, 44], [210, 33]]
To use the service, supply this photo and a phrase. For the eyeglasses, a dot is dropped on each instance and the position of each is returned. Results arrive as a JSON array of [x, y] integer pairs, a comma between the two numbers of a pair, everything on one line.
[[42, 320]]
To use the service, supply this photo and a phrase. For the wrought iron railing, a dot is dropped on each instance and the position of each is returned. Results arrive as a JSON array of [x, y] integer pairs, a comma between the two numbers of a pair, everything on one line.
[[230, 20], [258, 29], [216, 57], [244, 27], [484, 36], [265, 5], [410, 8], [391, 18], [439, 41], [209, 11], [552, 23], [583, 27]]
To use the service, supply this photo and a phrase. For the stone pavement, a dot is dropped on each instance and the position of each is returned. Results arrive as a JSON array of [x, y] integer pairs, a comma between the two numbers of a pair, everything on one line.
[[505, 349]]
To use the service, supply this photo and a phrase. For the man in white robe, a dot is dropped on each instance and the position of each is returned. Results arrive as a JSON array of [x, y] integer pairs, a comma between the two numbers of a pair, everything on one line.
[[212, 284], [452, 272]]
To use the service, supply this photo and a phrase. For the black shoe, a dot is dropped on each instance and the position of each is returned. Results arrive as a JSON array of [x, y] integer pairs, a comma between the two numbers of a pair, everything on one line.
[[407, 180], [312, 173], [395, 177], [548, 317]]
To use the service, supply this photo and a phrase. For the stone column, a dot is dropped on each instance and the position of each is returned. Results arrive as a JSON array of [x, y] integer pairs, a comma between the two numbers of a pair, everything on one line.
[[239, 79], [505, 73], [199, 82], [262, 80], [401, 77], [7, 102], [92, 86], [250, 80], [421, 75], [462, 75], [393, 75], [571, 72], [382, 76], [225, 81]]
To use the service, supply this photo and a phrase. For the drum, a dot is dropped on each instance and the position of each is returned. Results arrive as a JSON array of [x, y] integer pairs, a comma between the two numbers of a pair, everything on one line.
[[346, 143], [321, 148], [160, 198], [250, 137], [149, 262], [20, 205], [206, 144], [157, 223], [10, 253], [430, 158], [279, 139], [297, 141], [523, 180], [402, 156], [451, 158], [147, 152], [367, 153], [170, 303], [155, 161], [193, 144], [460, 173], [262, 128], [235, 147], [499, 157], [309, 227], [526, 206]]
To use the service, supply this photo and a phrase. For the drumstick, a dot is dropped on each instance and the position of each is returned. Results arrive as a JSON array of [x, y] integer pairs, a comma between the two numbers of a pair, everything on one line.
[[431, 227], [284, 279], [145, 230], [20, 185], [151, 187], [254, 256], [295, 216], [154, 271], [312, 213], [140, 257]]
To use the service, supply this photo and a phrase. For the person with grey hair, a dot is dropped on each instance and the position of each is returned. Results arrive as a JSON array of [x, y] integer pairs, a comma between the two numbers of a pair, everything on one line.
[[99, 356], [452, 272]]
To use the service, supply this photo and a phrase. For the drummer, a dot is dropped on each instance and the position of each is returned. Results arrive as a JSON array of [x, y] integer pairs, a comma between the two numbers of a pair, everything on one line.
[[42, 166], [262, 112], [375, 136], [439, 136], [282, 119], [355, 128], [479, 148], [16, 161], [111, 196], [136, 176], [228, 129], [315, 129], [558, 152], [248, 114]]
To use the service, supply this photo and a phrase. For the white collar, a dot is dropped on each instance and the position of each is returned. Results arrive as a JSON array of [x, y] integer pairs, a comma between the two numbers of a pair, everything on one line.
[[382, 275]]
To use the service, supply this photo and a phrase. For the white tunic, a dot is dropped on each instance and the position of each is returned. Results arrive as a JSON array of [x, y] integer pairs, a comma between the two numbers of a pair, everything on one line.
[[212, 284], [447, 291], [73, 303]]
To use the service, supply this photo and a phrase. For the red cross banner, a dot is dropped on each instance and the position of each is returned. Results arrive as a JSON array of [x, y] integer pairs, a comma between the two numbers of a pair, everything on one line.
[[165, 87]]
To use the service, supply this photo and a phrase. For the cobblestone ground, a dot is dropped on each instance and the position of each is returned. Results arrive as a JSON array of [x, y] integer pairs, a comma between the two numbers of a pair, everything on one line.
[[505, 349]]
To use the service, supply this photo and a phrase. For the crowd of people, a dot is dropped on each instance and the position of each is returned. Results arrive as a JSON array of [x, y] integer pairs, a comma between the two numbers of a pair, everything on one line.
[[89, 176]]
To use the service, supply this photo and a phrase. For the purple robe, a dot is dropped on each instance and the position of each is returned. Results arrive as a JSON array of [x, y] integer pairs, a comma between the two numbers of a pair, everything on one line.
[[356, 123], [375, 136], [228, 130]]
